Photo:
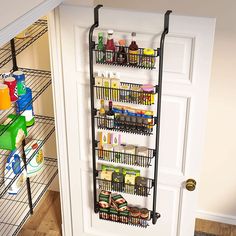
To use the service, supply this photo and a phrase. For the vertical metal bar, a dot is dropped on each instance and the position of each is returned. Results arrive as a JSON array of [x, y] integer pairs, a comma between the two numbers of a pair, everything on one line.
[[13, 55], [157, 148], [27, 180], [91, 47]]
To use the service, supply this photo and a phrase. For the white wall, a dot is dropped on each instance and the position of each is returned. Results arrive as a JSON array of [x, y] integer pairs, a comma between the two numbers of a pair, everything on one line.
[[217, 187]]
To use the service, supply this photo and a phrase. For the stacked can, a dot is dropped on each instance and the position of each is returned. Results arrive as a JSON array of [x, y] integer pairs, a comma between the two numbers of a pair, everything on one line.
[[20, 78], [24, 103], [11, 83], [4, 73]]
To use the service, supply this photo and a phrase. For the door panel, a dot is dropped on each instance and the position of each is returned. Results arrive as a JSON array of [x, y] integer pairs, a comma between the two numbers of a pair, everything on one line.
[[185, 89]]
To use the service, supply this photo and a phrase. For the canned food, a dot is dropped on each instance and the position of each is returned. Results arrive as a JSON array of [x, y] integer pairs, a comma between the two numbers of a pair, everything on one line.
[[20, 78], [148, 59], [11, 83]]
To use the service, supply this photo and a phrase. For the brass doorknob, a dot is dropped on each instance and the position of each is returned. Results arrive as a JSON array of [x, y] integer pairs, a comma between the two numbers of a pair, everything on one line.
[[190, 184]]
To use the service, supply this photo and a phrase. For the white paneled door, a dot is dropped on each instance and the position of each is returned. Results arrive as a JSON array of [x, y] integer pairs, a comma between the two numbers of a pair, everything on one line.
[[187, 64]]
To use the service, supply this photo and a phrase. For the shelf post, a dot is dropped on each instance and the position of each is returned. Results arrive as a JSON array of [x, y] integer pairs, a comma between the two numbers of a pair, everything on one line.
[[13, 54], [27, 179], [91, 47], [157, 148]]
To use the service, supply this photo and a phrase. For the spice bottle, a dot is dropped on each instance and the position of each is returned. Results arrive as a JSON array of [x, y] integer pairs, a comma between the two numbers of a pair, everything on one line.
[[110, 116], [121, 54], [133, 51], [100, 48], [110, 47], [102, 114]]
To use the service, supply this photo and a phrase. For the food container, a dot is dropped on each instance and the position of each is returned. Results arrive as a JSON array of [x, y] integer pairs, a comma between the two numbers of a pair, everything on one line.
[[24, 104], [135, 94], [5, 100], [113, 214], [118, 155], [115, 85], [142, 156], [124, 216], [104, 199], [144, 217], [119, 203], [104, 213], [117, 182], [12, 85], [130, 149], [107, 151], [135, 215], [148, 59], [141, 184], [20, 78], [147, 97], [124, 93]]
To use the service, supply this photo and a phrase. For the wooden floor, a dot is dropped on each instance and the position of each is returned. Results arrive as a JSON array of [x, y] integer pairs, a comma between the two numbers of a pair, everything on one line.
[[46, 220], [215, 228]]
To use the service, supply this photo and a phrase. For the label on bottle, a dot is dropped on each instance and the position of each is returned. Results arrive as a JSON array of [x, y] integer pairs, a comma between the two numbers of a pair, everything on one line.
[[133, 57], [109, 56], [100, 56]]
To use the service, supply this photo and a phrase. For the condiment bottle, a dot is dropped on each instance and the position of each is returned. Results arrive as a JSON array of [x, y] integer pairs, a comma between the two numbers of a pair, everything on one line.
[[133, 51], [121, 54], [102, 114], [100, 47], [110, 47], [110, 116]]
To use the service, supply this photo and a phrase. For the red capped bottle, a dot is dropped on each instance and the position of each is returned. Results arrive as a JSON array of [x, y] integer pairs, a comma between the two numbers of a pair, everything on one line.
[[110, 47]]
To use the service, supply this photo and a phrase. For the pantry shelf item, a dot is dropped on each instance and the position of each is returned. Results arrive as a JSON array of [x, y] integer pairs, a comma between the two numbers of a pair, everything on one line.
[[40, 132], [127, 217], [127, 92], [126, 158], [140, 128], [15, 208], [139, 58], [35, 31], [38, 81], [125, 121]]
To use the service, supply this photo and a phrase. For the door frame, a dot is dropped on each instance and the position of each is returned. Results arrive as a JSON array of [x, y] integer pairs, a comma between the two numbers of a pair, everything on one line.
[[60, 121]]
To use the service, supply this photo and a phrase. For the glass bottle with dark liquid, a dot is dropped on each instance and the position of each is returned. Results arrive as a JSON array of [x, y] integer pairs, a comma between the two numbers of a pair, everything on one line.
[[133, 51], [121, 54]]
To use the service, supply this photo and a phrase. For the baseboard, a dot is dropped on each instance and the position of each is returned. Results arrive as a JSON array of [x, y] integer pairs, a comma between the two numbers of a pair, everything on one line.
[[226, 219]]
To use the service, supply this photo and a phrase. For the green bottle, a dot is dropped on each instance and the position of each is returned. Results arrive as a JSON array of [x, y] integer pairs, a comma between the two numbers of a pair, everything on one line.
[[100, 48]]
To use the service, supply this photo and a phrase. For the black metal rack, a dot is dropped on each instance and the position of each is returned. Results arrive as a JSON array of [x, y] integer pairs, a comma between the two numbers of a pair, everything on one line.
[[15, 208], [13, 217], [34, 32], [128, 125]]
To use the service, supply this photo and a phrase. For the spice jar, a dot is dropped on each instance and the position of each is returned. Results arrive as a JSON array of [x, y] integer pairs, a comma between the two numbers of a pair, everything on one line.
[[148, 58], [147, 96], [124, 93], [134, 94]]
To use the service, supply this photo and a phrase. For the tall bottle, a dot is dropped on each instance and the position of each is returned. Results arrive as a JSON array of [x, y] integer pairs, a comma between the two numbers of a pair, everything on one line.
[[100, 48], [102, 114], [110, 47], [110, 115], [121, 54], [133, 51]]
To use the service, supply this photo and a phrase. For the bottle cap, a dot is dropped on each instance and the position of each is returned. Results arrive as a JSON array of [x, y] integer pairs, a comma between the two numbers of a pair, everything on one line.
[[110, 31], [122, 42], [100, 34], [133, 34], [148, 51]]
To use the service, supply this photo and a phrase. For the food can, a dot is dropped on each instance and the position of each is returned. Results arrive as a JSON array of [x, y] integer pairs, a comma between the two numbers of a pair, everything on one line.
[[119, 203], [11, 83], [144, 217], [135, 215], [20, 78], [104, 199], [113, 214], [5, 100], [124, 216], [148, 59], [104, 213]]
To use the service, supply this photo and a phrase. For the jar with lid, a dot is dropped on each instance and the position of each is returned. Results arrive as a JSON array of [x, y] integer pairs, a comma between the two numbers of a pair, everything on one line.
[[148, 58]]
